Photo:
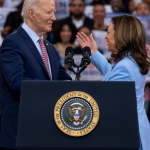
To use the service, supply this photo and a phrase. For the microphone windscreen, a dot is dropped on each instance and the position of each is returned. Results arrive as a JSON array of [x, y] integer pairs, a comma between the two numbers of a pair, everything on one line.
[[69, 49], [86, 50]]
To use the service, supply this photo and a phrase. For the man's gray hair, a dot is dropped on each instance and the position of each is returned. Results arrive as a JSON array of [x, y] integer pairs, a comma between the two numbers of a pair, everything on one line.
[[27, 5]]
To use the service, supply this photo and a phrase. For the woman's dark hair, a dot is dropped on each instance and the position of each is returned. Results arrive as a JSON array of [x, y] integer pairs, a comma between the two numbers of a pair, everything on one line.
[[130, 37], [58, 28]]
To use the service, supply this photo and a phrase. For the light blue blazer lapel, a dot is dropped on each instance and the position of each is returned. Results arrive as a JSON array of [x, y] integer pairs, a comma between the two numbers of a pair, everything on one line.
[[108, 74]]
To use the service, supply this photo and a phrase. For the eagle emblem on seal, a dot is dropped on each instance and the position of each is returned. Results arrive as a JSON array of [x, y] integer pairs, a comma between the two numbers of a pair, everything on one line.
[[76, 112]]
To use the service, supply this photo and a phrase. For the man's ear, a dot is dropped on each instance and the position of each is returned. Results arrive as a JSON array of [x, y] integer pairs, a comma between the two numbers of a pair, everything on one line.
[[31, 14]]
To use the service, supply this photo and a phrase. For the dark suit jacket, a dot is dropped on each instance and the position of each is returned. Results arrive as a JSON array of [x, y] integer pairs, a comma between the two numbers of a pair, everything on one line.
[[19, 61], [87, 21]]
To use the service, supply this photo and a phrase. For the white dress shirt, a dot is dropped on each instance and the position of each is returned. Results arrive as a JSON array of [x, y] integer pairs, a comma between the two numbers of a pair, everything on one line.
[[78, 23], [35, 39]]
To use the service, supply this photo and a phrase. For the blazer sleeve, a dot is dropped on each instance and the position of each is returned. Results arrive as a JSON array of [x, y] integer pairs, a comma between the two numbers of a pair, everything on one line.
[[120, 73], [12, 64], [100, 62]]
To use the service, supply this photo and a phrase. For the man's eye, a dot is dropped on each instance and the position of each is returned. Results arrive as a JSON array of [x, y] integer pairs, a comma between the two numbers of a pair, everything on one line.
[[49, 12]]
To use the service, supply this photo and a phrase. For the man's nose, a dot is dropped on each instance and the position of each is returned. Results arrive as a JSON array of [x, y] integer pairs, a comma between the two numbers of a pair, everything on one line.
[[53, 17], [99, 13]]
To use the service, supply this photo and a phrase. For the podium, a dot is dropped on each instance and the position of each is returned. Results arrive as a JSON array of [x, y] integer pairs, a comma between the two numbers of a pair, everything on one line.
[[117, 128]]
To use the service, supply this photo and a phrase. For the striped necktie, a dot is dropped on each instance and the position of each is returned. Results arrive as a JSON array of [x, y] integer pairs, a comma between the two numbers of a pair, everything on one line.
[[44, 56]]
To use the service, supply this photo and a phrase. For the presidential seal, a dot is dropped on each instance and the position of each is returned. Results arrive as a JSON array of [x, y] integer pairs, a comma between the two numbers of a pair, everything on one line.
[[76, 113]]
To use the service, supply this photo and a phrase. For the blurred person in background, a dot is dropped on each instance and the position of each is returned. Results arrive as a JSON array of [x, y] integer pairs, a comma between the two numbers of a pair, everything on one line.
[[91, 1], [142, 9], [10, 3], [87, 1], [99, 15], [117, 5], [64, 36], [13, 21], [147, 2], [130, 6], [1, 3], [99, 1], [77, 16], [49, 37]]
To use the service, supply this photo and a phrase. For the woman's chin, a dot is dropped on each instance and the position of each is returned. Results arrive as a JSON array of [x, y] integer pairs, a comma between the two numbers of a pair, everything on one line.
[[109, 50]]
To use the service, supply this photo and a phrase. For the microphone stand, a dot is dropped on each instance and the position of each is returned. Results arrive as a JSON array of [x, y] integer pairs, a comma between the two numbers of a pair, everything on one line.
[[79, 71], [78, 76], [84, 63]]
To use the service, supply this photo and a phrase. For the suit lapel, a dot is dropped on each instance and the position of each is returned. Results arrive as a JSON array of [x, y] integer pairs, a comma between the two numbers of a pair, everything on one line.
[[32, 47]]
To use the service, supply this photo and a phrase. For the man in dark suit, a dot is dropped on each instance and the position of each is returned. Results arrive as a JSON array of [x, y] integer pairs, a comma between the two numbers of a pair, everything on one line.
[[99, 15], [25, 55], [13, 21], [77, 16]]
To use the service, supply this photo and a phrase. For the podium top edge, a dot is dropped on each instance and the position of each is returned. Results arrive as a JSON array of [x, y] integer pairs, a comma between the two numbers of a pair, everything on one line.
[[83, 81]]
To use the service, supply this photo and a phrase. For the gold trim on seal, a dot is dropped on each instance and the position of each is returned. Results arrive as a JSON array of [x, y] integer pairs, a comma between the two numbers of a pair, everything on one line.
[[86, 97]]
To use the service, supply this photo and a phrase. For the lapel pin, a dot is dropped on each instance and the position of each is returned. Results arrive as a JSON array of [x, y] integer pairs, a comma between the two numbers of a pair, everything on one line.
[[46, 44]]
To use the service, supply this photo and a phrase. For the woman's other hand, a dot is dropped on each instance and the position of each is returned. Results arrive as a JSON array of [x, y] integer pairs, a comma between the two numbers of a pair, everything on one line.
[[84, 41]]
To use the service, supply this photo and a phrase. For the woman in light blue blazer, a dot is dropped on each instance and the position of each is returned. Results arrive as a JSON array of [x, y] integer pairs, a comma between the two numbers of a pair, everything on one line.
[[127, 41]]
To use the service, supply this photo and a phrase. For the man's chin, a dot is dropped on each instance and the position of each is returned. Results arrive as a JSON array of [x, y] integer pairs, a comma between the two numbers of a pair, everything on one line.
[[49, 30], [78, 15]]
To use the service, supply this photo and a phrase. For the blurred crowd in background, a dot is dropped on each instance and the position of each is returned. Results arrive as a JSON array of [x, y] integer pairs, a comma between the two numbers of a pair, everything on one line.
[[88, 16]]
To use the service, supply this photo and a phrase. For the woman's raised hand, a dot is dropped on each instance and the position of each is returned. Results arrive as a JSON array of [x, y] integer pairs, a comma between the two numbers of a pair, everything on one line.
[[84, 41]]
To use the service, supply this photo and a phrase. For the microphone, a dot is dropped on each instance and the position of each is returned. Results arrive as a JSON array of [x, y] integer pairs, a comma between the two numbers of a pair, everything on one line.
[[69, 61], [86, 52]]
